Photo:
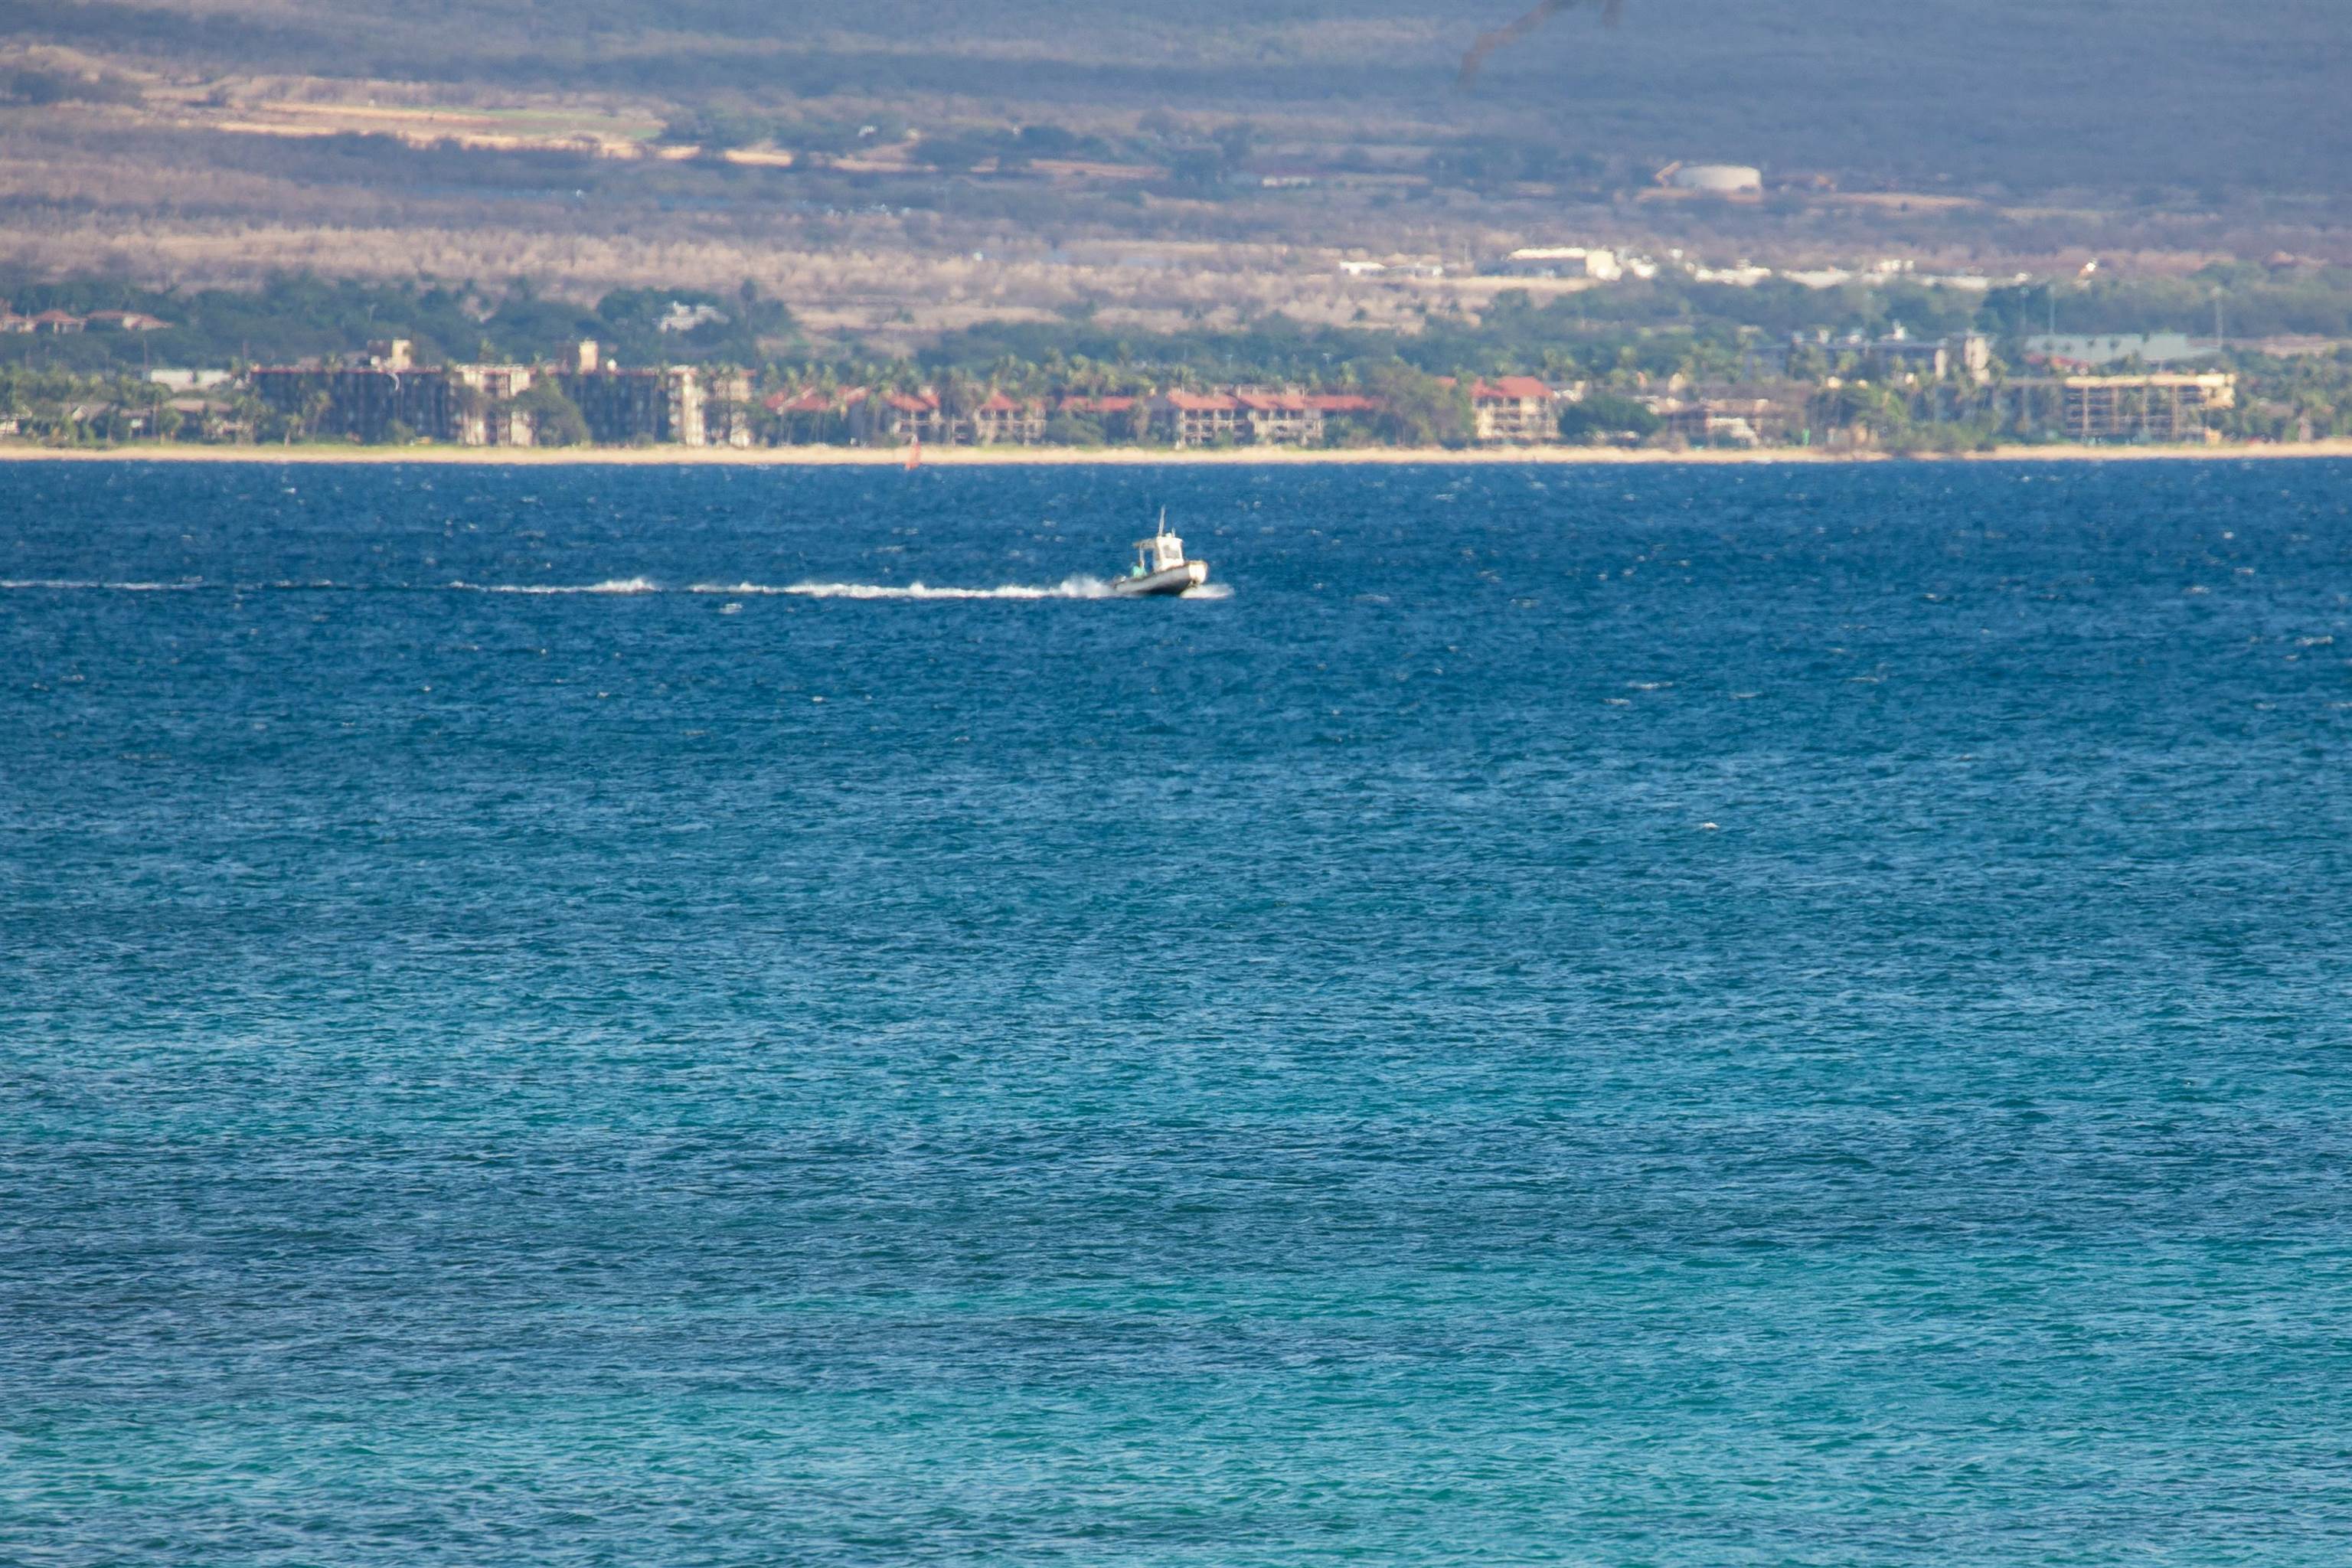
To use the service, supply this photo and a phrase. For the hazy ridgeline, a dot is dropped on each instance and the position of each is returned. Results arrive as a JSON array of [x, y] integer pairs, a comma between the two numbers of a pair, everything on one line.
[[2163, 92]]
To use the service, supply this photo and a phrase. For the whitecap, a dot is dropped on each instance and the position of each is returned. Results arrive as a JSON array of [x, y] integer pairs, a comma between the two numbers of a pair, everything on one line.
[[610, 586], [79, 586]]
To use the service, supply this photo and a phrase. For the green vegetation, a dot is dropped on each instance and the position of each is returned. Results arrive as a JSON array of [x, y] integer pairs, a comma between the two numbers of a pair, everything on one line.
[[60, 409], [299, 317], [1603, 414], [556, 420]]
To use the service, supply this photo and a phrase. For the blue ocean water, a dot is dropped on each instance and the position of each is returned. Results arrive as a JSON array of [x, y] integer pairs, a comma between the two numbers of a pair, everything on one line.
[[1678, 1017]]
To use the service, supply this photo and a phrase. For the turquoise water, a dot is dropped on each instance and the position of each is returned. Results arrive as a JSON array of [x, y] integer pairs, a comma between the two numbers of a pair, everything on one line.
[[1677, 1018]]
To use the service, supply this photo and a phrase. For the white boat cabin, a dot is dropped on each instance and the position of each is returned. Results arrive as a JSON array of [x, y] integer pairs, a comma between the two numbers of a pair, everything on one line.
[[1163, 551]]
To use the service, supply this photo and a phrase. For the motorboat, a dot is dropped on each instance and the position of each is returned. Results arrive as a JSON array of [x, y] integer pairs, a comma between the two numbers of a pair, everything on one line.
[[1161, 567]]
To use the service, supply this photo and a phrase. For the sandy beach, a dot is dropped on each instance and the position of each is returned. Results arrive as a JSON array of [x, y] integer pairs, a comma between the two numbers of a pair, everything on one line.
[[996, 457]]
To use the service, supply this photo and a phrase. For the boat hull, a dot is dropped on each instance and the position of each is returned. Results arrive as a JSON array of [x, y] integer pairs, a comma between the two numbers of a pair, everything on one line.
[[1172, 580]]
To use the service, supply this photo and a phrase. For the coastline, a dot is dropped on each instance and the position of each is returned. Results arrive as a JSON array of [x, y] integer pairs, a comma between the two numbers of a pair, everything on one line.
[[1131, 456]]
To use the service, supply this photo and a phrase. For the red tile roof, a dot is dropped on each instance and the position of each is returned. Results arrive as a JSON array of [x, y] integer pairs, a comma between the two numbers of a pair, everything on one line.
[[1511, 388], [1195, 403]]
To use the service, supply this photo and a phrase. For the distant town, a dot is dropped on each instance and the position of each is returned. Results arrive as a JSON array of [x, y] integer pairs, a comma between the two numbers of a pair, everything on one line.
[[1663, 352], [387, 397]]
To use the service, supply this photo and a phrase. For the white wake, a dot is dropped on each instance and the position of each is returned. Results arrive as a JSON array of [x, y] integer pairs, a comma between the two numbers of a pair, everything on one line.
[[1075, 587], [1068, 589]]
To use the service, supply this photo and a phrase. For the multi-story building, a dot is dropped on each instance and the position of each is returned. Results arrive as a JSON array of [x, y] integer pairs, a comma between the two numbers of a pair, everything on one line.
[[1202, 419], [1968, 355], [1723, 418], [482, 399], [1342, 412], [1002, 421], [620, 408], [360, 402], [813, 417], [1512, 410], [1280, 418], [2139, 407], [728, 409], [684, 404], [904, 416], [1898, 356], [2164, 406]]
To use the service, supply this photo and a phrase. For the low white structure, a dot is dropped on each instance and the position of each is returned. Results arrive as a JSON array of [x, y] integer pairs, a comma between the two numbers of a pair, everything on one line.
[[1563, 261], [1716, 179], [190, 380], [1739, 275]]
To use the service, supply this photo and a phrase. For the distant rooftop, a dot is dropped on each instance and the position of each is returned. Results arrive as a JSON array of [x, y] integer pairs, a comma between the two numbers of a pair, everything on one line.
[[2114, 348]]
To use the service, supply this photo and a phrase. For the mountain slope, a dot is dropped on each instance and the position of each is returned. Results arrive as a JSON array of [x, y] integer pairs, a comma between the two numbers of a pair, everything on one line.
[[2029, 93]]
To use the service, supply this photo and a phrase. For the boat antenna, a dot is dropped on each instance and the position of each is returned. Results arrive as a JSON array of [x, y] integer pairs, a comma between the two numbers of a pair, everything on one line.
[[1163, 519]]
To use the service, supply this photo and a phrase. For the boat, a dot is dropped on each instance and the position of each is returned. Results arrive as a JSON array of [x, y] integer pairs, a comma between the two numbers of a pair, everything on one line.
[[1161, 566]]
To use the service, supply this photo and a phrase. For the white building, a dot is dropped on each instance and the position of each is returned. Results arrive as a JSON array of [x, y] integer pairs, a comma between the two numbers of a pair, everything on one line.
[[1739, 275], [1563, 261], [189, 380]]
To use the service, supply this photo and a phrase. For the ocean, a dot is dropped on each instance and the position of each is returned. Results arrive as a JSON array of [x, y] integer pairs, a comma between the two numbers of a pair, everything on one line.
[[1667, 1016]]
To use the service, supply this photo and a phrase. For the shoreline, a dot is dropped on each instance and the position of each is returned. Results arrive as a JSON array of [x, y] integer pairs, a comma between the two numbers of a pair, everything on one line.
[[1133, 456]]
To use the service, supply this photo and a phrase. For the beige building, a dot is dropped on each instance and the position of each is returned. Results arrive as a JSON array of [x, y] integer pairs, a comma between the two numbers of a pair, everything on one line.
[[904, 416], [683, 389], [1000, 421], [1200, 419], [481, 420], [2161, 407], [2143, 408], [1512, 410], [1280, 418]]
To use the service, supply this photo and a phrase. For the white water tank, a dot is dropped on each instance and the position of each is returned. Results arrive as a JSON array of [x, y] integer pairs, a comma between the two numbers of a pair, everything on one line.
[[1718, 179]]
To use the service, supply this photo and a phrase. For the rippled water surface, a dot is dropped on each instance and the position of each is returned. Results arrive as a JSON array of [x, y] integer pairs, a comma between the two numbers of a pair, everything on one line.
[[1673, 1017]]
